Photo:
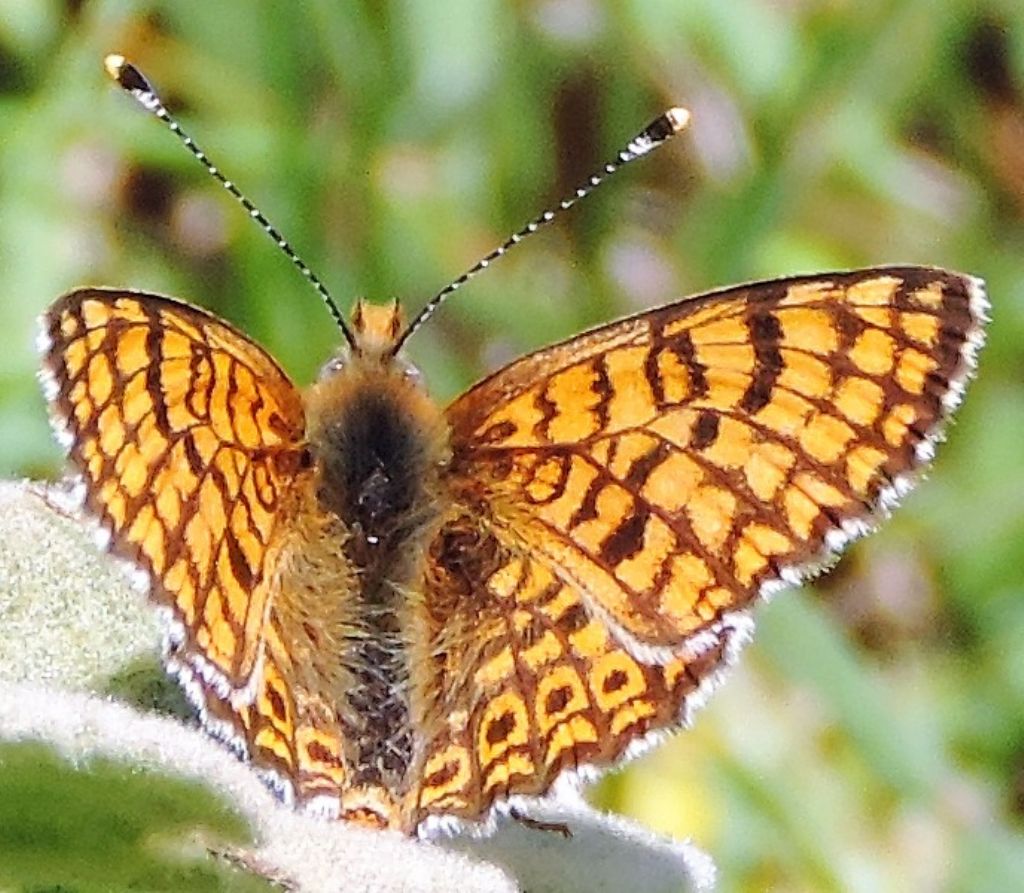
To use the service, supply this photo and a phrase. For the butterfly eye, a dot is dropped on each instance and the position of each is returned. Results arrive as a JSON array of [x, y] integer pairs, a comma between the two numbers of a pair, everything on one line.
[[331, 368]]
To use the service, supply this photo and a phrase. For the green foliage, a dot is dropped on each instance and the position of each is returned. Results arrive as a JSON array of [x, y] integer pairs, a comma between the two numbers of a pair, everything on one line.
[[108, 829], [874, 737], [144, 684]]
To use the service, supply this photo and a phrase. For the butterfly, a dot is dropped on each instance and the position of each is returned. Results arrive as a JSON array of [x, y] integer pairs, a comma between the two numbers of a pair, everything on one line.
[[409, 616]]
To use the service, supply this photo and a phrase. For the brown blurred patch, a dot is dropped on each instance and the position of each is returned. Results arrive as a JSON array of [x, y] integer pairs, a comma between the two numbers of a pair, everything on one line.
[[986, 57], [886, 600], [1016, 787], [147, 195]]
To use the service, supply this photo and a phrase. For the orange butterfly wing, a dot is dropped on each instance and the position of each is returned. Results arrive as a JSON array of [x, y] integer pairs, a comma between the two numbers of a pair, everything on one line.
[[672, 465], [187, 436], [526, 684], [622, 497]]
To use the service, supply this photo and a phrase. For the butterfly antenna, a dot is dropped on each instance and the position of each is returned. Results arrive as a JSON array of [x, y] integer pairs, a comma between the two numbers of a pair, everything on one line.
[[653, 135], [130, 79]]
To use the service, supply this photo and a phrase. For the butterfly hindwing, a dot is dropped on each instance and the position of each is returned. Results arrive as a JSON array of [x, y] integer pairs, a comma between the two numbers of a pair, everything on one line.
[[520, 684]]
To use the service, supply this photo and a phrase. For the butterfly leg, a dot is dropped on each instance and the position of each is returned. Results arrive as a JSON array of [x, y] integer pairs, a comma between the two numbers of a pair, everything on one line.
[[538, 825]]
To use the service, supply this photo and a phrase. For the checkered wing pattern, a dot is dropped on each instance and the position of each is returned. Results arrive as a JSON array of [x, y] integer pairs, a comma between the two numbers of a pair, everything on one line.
[[628, 493], [186, 436], [672, 465]]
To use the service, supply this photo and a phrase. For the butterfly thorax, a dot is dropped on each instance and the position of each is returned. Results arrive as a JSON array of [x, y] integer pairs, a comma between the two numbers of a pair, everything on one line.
[[377, 446], [376, 441]]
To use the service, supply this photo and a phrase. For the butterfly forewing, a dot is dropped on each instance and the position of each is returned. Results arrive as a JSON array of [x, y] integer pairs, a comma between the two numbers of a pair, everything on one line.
[[672, 465], [187, 436]]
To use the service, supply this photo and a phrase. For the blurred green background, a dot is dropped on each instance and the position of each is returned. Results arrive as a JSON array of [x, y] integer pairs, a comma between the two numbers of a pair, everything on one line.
[[873, 736]]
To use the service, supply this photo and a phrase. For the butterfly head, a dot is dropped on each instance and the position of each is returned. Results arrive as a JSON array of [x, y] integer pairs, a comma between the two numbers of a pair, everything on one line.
[[376, 328], [376, 334]]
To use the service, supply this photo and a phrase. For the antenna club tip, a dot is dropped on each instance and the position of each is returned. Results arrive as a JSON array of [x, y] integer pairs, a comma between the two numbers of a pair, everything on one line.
[[129, 78], [678, 117], [114, 63]]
